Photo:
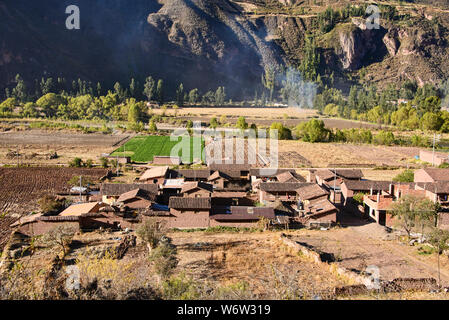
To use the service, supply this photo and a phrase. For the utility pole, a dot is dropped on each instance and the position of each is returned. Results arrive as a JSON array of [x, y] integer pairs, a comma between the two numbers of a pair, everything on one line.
[[335, 181], [81, 186], [435, 140]]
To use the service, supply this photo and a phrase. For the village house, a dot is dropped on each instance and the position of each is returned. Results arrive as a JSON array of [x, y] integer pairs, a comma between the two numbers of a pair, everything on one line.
[[289, 176], [189, 212], [229, 181], [435, 158], [232, 198], [431, 175], [137, 199], [437, 192], [377, 207], [190, 175], [196, 189], [110, 192], [311, 191], [240, 216], [349, 188], [278, 191], [167, 160], [318, 211], [155, 175], [242, 169]]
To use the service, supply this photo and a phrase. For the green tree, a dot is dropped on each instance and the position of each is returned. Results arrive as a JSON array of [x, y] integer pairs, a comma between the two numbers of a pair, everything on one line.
[[220, 96], [20, 91], [152, 126], [241, 123], [313, 131], [149, 88], [49, 103], [194, 96], [439, 239], [160, 91], [431, 121], [180, 95], [213, 123], [283, 132]]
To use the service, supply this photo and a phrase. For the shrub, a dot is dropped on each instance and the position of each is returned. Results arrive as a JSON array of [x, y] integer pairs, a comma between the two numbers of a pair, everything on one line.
[[180, 288], [60, 237], [76, 163], [151, 232], [164, 258], [405, 176], [358, 197], [50, 204]]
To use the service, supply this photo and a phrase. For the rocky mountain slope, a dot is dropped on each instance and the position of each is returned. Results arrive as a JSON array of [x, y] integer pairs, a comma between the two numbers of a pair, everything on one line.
[[210, 43]]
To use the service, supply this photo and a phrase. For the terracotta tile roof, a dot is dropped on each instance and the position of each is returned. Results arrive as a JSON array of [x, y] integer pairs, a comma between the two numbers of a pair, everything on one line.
[[229, 167], [155, 172], [280, 187], [116, 189], [26, 220], [80, 209], [311, 191], [136, 193], [189, 186], [366, 185], [189, 203]]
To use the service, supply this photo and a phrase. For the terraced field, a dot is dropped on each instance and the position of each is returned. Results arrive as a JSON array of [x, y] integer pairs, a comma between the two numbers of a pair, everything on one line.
[[144, 148]]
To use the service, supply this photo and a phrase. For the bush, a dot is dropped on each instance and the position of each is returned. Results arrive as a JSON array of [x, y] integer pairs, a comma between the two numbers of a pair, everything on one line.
[[313, 131], [384, 138], [164, 258], [76, 163], [104, 162], [151, 232], [358, 197], [51, 205], [180, 288], [405, 176]]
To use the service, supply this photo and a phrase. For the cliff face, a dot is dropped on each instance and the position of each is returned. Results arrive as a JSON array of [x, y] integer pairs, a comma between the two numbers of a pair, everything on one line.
[[206, 43]]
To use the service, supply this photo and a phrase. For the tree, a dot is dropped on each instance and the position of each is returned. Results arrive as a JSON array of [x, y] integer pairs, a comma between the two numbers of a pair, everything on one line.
[[283, 132], [60, 237], [76, 163], [20, 91], [220, 96], [49, 103], [431, 121], [134, 113], [180, 95], [160, 91], [439, 239], [194, 96], [213, 123], [241, 123], [313, 131], [152, 126], [268, 81], [149, 88], [408, 210], [133, 87]]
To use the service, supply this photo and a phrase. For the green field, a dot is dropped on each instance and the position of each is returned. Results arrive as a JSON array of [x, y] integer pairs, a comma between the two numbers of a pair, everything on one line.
[[144, 148]]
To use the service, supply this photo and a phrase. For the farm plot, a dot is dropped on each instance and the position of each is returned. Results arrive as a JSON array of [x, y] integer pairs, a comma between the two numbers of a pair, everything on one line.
[[144, 148], [21, 188]]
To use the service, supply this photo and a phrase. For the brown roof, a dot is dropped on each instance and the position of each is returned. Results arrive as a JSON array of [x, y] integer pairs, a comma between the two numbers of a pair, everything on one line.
[[289, 176], [267, 172], [437, 174], [327, 174], [136, 193], [117, 189], [189, 203], [229, 167], [155, 172], [80, 209], [311, 191], [189, 186], [228, 194], [366, 185], [320, 206], [242, 213], [280, 187], [218, 174], [439, 187], [26, 220], [194, 174]]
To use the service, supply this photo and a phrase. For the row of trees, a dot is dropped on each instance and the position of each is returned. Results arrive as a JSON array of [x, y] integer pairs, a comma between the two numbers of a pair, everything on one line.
[[151, 90]]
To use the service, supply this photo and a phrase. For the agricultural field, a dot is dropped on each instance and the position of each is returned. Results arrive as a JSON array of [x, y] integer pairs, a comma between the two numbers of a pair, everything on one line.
[[144, 148], [21, 188]]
